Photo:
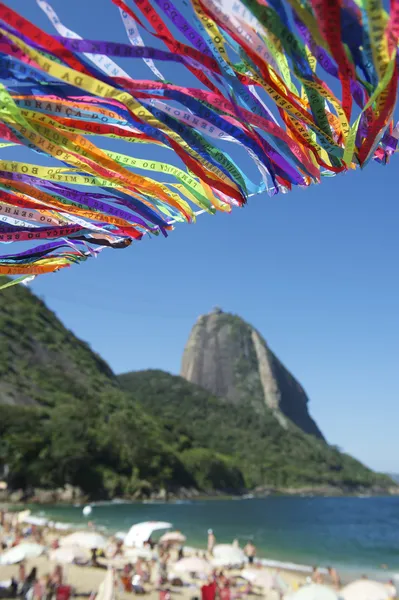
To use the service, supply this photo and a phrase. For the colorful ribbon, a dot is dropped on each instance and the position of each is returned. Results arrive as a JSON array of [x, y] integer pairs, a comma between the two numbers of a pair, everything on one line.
[[265, 73]]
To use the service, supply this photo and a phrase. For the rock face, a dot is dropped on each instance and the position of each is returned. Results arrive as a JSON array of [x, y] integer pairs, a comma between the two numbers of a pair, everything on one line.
[[229, 358]]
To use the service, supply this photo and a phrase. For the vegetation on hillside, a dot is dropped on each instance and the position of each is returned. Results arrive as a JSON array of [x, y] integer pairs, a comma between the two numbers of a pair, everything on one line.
[[265, 452], [66, 419]]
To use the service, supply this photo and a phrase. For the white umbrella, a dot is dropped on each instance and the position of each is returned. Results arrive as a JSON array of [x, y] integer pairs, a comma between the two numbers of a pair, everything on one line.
[[23, 515], [313, 591], [228, 555], [68, 555], [85, 539], [20, 553], [192, 564], [173, 537], [141, 533], [258, 577], [363, 589]]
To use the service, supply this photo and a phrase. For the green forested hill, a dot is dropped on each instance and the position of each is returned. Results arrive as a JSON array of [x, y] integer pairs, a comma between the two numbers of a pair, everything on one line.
[[65, 418], [265, 452]]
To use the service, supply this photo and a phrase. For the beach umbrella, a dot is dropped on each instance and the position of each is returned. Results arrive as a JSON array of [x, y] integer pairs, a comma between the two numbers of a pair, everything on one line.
[[313, 591], [23, 515], [85, 539], [68, 555], [225, 555], [258, 577], [173, 537], [141, 532], [20, 553], [363, 589], [192, 564]]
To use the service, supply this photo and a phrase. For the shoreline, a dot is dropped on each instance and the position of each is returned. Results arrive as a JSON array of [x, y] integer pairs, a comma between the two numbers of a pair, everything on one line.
[[49, 497], [286, 565]]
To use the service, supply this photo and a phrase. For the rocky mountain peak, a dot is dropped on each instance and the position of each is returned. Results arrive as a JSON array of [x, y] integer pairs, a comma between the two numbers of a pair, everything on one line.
[[229, 358]]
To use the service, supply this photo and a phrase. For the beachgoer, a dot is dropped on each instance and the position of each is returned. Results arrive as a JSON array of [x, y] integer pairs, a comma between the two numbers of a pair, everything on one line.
[[9, 591], [222, 580], [224, 592], [151, 543], [137, 584], [29, 582], [21, 574], [111, 549], [163, 565], [55, 544], [335, 578], [250, 552], [180, 553], [57, 578], [317, 577], [43, 590], [94, 561], [211, 541], [236, 543], [279, 584], [126, 578], [391, 587]]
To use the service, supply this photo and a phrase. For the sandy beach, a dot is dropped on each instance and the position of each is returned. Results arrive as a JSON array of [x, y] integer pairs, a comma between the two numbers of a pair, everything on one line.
[[86, 580]]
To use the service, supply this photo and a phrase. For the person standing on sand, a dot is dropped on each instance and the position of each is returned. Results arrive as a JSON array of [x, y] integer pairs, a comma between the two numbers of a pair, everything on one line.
[[335, 578], [21, 575], [211, 541], [317, 577], [250, 552]]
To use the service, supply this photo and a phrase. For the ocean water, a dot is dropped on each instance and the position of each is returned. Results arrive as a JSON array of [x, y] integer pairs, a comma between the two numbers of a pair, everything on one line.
[[354, 534]]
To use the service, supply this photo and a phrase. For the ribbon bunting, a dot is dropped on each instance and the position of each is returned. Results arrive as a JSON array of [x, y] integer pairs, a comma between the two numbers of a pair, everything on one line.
[[304, 88]]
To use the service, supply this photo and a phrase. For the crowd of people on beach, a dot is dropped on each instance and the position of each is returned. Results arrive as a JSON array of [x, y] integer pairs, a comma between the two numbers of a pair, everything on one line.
[[140, 575]]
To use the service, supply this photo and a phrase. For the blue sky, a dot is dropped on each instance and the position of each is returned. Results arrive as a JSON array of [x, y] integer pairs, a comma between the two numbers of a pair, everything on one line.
[[315, 271]]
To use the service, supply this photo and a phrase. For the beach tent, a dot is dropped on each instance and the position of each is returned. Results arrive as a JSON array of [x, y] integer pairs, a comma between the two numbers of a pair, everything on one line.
[[363, 589], [141, 532], [20, 553], [192, 564], [226, 555], [314, 592], [85, 539]]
